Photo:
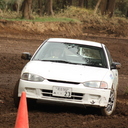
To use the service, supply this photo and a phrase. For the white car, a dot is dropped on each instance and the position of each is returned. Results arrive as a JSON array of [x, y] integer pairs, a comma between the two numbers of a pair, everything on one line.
[[70, 71]]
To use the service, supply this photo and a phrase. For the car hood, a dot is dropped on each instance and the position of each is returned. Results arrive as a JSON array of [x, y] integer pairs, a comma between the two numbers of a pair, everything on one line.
[[65, 72]]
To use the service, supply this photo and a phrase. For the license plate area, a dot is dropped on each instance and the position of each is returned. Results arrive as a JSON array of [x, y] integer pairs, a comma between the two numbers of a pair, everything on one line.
[[62, 91]]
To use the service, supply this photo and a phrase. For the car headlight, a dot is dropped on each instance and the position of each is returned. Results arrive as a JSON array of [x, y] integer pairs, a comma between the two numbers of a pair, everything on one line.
[[31, 77], [96, 84]]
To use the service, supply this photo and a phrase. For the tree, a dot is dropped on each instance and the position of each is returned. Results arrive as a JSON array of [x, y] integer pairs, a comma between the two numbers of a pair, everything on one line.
[[111, 7], [69, 2], [17, 5], [81, 3], [122, 7], [86, 3], [97, 5], [40, 8], [107, 7], [49, 8], [27, 9]]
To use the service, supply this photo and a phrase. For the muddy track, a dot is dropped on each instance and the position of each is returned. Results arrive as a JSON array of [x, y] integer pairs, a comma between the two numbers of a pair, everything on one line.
[[53, 116]]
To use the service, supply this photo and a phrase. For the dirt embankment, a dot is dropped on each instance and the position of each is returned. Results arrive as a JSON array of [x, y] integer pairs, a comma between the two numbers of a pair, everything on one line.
[[46, 28], [94, 28]]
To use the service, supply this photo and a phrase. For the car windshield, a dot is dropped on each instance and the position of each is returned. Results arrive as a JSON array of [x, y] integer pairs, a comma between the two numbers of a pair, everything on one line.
[[72, 54]]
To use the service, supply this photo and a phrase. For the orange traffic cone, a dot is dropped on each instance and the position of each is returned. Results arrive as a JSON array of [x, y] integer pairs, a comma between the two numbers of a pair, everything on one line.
[[22, 115]]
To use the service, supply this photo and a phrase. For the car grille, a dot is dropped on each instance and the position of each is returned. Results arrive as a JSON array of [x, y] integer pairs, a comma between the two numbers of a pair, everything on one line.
[[60, 81], [74, 96]]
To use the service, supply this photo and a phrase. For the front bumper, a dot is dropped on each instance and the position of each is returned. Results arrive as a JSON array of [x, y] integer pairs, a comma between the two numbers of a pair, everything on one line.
[[80, 95]]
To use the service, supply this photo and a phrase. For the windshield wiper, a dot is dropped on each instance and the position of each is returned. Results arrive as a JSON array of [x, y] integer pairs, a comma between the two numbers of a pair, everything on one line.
[[62, 61], [68, 62]]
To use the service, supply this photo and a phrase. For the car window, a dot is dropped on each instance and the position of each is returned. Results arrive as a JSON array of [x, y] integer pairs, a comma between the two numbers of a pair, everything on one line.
[[72, 53]]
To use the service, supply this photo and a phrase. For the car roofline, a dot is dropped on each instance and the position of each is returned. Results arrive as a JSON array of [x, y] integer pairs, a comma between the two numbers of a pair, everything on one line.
[[76, 41]]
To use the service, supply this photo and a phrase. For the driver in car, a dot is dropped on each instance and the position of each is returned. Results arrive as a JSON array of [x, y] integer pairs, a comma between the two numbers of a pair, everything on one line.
[[56, 53]]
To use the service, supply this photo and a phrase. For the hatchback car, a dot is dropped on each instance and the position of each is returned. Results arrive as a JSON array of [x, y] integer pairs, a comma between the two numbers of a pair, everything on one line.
[[70, 71]]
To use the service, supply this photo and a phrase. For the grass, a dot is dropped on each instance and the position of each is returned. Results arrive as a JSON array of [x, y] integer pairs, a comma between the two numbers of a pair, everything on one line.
[[45, 19], [55, 19]]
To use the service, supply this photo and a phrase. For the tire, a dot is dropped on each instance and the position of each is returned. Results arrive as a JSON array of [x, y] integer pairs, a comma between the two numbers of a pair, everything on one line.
[[31, 103], [107, 111], [15, 95]]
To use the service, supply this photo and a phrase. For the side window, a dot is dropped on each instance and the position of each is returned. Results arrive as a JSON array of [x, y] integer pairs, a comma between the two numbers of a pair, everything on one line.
[[109, 56]]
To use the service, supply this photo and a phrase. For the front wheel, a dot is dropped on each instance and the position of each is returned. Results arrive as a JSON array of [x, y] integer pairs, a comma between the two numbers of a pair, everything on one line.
[[30, 102], [15, 94], [107, 111]]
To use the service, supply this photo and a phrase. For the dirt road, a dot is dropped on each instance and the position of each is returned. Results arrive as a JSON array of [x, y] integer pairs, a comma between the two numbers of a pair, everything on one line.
[[52, 116]]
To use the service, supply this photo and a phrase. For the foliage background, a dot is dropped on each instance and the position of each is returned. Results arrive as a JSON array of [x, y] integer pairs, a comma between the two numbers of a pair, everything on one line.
[[85, 18]]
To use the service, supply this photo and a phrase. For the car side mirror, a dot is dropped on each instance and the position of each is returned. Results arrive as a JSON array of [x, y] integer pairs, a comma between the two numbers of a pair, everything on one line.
[[26, 56], [115, 65]]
